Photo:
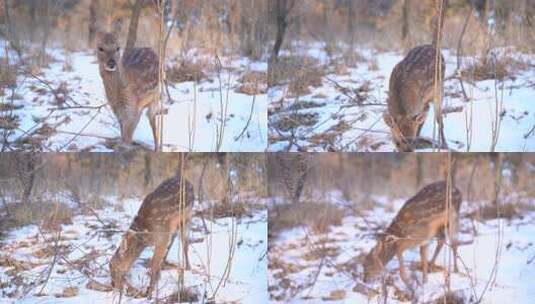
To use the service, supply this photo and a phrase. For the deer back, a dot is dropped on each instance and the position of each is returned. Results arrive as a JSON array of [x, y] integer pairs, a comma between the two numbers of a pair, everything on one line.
[[412, 81], [162, 209], [140, 66]]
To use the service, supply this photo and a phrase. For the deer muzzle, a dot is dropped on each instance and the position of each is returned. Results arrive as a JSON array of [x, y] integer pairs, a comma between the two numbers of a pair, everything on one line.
[[111, 65]]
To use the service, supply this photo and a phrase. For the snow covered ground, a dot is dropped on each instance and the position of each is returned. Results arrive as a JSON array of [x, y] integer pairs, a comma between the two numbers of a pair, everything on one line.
[[192, 123], [88, 243], [331, 118], [496, 261]]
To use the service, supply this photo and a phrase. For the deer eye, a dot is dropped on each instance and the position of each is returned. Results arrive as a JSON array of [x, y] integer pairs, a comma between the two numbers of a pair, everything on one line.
[[118, 49], [100, 49]]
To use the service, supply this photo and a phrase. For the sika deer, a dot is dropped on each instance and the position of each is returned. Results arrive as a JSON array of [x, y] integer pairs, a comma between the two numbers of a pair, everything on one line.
[[412, 88], [130, 82], [163, 213], [423, 217]]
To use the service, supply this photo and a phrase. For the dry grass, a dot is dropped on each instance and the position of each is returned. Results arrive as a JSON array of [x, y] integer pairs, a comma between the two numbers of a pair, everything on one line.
[[185, 295], [307, 78], [221, 210], [187, 71], [253, 83], [296, 120], [287, 68], [317, 216], [509, 210], [498, 68], [8, 79], [48, 214]]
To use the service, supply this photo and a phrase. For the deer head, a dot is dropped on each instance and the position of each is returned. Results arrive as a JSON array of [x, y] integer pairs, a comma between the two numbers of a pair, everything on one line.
[[404, 129], [108, 48], [379, 256], [372, 264], [108, 51]]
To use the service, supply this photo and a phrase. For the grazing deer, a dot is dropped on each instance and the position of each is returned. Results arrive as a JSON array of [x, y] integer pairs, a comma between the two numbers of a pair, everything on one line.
[[421, 218], [412, 89], [163, 213], [130, 82]]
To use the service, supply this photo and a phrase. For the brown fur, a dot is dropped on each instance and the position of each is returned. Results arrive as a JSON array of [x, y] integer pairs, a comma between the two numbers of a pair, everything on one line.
[[163, 213], [411, 90], [130, 82], [421, 218]]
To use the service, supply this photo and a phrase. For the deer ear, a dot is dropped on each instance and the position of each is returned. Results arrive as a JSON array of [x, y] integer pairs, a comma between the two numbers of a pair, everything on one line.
[[389, 238], [117, 25], [99, 34], [420, 118], [389, 120]]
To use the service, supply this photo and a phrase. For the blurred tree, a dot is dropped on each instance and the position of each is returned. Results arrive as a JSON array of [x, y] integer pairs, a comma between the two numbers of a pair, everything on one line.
[[132, 28], [27, 165], [11, 31], [94, 8], [497, 162], [282, 10], [147, 180], [405, 28]]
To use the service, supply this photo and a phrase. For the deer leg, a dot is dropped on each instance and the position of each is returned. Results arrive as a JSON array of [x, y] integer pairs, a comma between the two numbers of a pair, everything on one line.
[[437, 251], [161, 244], [402, 272], [184, 239], [441, 129], [128, 126], [440, 122], [127, 132], [454, 246], [423, 261], [169, 246], [420, 127], [131, 247], [152, 114], [422, 121]]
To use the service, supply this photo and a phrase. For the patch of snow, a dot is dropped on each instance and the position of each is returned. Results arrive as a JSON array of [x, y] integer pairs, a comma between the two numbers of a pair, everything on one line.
[[193, 121], [366, 129]]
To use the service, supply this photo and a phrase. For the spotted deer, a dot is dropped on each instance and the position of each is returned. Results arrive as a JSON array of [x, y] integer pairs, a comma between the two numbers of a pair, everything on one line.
[[163, 213], [421, 218], [131, 83], [412, 88]]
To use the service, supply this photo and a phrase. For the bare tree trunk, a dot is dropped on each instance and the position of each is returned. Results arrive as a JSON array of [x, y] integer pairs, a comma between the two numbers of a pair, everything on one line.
[[33, 18], [12, 34], [282, 10], [351, 23], [303, 170], [132, 28], [405, 28], [366, 182], [419, 170], [45, 8], [93, 10], [497, 166], [484, 14], [27, 166], [441, 7], [223, 159], [147, 172]]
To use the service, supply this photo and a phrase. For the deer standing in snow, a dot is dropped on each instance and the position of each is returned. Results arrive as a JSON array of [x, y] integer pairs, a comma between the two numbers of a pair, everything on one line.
[[130, 80], [422, 217], [163, 213], [413, 86]]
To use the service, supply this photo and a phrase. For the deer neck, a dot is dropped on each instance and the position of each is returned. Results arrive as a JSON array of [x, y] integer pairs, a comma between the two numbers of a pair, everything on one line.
[[388, 252], [115, 85]]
